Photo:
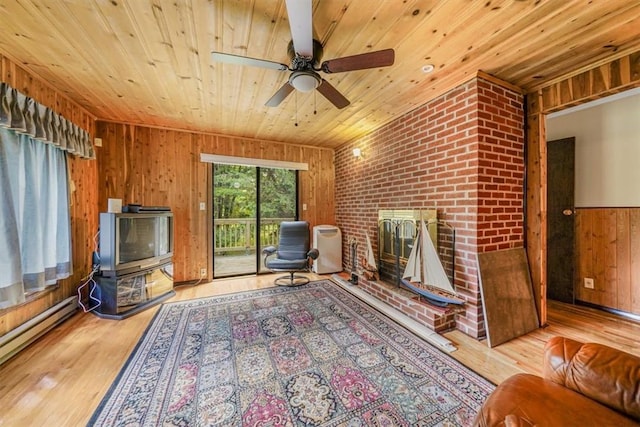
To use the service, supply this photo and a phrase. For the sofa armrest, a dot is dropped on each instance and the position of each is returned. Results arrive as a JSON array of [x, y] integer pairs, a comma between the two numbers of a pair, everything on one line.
[[604, 374]]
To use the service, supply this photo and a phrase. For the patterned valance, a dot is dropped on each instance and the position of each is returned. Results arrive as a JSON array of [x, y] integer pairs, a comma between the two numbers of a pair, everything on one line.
[[24, 115]]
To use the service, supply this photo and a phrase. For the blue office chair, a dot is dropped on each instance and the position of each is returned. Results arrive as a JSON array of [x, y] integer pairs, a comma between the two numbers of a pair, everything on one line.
[[292, 255]]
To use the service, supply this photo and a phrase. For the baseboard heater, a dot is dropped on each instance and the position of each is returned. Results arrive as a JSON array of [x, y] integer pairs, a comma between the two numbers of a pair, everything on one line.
[[17, 339]]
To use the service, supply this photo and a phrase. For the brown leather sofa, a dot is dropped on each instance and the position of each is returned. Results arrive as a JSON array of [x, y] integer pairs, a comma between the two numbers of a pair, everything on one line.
[[583, 385]]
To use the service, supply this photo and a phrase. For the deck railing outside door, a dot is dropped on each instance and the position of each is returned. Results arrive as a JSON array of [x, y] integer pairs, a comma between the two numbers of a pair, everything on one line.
[[238, 235]]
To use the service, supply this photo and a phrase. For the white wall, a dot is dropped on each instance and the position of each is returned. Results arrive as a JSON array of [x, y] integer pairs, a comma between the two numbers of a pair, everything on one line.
[[607, 150]]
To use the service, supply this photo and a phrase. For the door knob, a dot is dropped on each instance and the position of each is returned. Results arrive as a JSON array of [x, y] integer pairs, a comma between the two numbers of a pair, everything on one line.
[[567, 212]]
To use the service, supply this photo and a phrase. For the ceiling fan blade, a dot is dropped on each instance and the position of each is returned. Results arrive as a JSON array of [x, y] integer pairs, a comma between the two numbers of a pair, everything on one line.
[[380, 58], [245, 60], [332, 94], [299, 12], [280, 95]]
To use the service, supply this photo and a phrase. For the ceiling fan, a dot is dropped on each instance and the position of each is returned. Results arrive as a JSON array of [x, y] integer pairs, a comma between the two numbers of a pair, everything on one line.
[[305, 53]]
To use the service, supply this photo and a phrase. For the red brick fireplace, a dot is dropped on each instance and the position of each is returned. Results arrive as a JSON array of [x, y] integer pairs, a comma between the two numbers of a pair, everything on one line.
[[462, 154]]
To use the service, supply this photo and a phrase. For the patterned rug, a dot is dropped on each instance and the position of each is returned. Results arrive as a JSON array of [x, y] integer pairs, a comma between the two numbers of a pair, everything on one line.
[[308, 356]]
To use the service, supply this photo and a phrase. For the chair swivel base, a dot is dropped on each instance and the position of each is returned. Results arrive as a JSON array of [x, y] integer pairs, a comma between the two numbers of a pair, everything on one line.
[[291, 280]]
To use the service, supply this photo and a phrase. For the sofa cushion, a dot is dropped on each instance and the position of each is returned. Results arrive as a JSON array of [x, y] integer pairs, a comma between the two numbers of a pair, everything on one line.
[[531, 400], [604, 374], [538, 402]]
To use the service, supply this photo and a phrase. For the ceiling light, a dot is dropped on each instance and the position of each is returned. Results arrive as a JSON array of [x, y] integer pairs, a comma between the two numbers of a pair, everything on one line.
[[304, 81], [357, 153], [428, 68]]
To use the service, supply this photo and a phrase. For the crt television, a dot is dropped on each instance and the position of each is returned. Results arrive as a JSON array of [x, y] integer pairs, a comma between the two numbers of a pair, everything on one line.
[[132, 242]]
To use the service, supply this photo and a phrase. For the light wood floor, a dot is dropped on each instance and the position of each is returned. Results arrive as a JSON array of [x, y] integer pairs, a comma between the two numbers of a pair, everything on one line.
[[60, 379]]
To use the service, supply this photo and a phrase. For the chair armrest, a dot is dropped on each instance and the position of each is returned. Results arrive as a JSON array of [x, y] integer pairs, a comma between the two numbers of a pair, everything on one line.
[[269, 250], [313, 253]]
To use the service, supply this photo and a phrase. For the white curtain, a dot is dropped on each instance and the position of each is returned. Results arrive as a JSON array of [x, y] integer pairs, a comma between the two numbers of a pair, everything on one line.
[[11, 286], [35, 247], [34, 217]]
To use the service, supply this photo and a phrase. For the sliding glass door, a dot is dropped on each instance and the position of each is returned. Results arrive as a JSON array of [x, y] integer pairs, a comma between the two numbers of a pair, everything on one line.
[[248, 205]]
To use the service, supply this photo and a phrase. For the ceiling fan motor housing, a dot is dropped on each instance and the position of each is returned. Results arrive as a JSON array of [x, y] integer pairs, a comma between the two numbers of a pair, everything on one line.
[[299, 63]]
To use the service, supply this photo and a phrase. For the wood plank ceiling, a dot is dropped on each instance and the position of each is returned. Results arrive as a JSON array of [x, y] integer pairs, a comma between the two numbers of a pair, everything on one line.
[[148, 61]]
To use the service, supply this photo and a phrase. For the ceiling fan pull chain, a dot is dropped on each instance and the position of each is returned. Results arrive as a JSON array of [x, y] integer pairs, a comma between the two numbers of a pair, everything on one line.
[[296, 95], [315, 105]]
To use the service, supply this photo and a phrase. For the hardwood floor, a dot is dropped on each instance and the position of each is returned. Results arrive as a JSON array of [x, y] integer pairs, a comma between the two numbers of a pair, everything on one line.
[[60, 379], [524, 354]]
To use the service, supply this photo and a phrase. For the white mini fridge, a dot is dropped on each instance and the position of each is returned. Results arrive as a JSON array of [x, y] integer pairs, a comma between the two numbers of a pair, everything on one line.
[[327, 239]]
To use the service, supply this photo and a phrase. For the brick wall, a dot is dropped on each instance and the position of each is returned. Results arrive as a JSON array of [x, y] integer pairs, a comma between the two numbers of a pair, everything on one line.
[[501, 168], [461, 153]]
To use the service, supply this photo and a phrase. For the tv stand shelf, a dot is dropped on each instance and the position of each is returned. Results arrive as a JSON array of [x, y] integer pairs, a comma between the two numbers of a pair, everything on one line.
[[125, 295]]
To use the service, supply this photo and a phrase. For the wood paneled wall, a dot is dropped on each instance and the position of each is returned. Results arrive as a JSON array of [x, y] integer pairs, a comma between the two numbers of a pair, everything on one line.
[[154, 166], [608, 250], [84, 195], [586, 85]]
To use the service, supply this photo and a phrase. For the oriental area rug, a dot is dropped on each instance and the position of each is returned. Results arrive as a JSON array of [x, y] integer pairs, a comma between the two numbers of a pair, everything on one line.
[[308, 356]]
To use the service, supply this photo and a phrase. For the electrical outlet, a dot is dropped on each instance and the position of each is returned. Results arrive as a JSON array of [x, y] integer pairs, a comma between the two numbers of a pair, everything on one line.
[[588, 283], [203, 272]]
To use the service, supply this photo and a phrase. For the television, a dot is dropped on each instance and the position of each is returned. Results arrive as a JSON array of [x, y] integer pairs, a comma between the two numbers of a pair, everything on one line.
[[133, 242]]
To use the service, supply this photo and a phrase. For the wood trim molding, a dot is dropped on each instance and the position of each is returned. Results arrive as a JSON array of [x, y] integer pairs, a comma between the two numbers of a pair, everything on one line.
[[488, 77], [607, 79]]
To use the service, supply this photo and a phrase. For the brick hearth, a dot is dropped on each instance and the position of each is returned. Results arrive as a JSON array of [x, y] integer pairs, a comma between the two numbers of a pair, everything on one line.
[[437, 318]]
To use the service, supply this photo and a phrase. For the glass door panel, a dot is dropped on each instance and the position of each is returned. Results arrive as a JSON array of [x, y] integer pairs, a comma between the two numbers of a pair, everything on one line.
[[234, 220], [277, 197]]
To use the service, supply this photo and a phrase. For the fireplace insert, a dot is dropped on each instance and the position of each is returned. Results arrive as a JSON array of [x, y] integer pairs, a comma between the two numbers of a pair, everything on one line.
[[397, 231]]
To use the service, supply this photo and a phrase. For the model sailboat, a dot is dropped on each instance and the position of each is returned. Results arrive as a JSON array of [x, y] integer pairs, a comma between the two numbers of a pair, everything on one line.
[[425, 275], [370, 268]]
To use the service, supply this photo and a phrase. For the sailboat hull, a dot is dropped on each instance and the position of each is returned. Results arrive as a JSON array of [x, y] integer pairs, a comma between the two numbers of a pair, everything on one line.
[[436, 298]]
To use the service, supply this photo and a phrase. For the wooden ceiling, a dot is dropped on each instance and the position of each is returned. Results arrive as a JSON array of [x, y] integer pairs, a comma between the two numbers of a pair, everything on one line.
[[148, 61]]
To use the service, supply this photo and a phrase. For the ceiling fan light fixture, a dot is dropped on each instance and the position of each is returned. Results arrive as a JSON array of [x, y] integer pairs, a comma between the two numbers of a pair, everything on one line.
[[304, 81]]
